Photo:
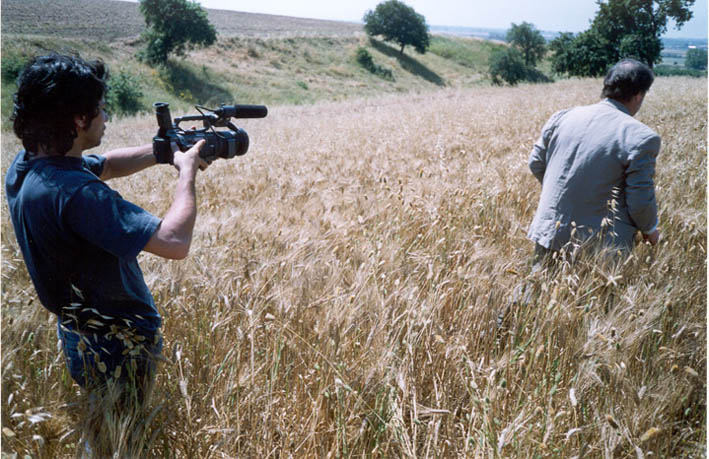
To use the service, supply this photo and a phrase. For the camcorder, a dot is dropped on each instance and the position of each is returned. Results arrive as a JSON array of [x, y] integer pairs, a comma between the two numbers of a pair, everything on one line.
[[219, 144]]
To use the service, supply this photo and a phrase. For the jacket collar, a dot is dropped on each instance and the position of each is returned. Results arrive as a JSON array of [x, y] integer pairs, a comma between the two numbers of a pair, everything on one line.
[[619, 105]]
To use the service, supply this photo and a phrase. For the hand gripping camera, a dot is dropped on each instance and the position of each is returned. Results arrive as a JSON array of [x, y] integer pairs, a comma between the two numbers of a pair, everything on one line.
[[219, 144]]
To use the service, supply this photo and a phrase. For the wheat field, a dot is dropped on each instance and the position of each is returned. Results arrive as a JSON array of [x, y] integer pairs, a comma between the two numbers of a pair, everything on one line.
[[342, 294]]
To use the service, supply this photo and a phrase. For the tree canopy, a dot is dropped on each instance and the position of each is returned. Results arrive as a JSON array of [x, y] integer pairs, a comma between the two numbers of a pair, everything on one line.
[[173, 27], [395, 21], [621, 28], [586, 54], [507, 65], [696, 59], [529, 41]]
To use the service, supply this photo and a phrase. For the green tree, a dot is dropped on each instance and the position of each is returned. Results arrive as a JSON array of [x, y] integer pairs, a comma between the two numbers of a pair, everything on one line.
[[395, 21], [621, 28], [507, 65], [586, 54], [173, 27], [696, 59], [529, 41], [561, 49]]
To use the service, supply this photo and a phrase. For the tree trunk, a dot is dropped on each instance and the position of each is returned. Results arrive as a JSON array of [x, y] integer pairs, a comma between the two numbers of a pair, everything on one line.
[[401, 51]]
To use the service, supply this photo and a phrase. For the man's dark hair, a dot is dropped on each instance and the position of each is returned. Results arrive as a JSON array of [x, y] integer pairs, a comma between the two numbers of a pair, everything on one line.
[[626, 79], [52, 91]]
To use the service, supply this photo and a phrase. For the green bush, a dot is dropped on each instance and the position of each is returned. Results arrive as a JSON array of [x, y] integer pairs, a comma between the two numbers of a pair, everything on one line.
[[507, 65], [12, 65], [536, 76], [365, 60], [124, 95]]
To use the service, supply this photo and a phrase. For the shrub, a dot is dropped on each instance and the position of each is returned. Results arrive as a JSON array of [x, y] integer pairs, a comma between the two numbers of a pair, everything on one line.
[[364, 58], [507, 65], [385, 73], [124, 94], [12, 65], [252, 52], [536, 76]]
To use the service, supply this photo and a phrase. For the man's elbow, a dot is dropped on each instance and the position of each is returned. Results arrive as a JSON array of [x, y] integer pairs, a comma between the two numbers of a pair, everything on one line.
[[537, 168], [172, 249], [107, 172], [537, 172], [178, 249], [179, 252]]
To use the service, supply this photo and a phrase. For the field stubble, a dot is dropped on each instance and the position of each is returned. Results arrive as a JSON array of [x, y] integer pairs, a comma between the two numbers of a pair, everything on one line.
[[342, 291]]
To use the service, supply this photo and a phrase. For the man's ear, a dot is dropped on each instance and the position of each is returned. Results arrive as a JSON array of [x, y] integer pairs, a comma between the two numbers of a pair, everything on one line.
[[80, 122]]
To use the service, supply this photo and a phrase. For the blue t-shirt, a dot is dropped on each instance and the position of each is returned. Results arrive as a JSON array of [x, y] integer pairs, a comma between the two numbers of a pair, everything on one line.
[[80, 240]]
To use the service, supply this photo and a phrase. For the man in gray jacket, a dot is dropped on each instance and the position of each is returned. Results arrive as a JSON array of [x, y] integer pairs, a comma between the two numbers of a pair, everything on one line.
[[596, 164]]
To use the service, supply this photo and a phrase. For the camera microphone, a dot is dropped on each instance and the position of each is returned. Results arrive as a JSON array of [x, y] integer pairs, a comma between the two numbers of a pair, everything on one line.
[[241, 111]]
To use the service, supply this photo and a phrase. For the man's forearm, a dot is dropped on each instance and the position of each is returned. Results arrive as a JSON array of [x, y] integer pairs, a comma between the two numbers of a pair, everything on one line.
[[174, 235], [179, 221], [127, 161]]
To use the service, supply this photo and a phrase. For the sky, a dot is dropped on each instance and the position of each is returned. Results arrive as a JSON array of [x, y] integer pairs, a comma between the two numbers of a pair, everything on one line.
[[548, 15]]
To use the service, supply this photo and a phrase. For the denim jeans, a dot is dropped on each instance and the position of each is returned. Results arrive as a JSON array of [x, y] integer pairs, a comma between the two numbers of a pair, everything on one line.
[[118, 354]]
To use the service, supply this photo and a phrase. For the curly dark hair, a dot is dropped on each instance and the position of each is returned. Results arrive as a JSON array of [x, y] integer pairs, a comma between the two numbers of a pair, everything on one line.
[[52, 91], [626, 79]]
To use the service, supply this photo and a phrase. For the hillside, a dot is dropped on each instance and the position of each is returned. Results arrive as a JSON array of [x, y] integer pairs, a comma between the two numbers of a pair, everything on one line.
[[111, 20], [257, 59]]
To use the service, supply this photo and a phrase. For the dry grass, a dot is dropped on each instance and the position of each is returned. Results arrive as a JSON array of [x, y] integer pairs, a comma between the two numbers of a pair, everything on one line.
[[341, 295]]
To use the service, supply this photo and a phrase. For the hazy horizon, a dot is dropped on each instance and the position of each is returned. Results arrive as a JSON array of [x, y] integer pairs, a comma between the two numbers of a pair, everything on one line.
[[546, 15]]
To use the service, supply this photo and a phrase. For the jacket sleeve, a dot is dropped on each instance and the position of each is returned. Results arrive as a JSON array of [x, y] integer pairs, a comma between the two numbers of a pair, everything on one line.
[[640, 186], [538, 157]]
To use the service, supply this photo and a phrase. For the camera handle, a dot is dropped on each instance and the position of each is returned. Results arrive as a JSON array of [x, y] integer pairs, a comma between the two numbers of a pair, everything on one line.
[[162, 150]]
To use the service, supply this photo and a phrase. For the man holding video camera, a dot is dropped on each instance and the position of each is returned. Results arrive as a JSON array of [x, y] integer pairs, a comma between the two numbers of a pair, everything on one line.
[[79, 238], [596, 164]]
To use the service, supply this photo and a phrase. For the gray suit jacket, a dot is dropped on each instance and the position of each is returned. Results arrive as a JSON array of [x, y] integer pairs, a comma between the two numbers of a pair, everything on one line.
[[596, 164]]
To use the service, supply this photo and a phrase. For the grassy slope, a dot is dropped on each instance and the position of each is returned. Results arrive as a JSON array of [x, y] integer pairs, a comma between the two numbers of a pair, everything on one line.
[[257, 59]]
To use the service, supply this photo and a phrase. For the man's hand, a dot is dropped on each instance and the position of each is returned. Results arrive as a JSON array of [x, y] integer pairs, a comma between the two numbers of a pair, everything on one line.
[[190, 159], [653, 238]]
